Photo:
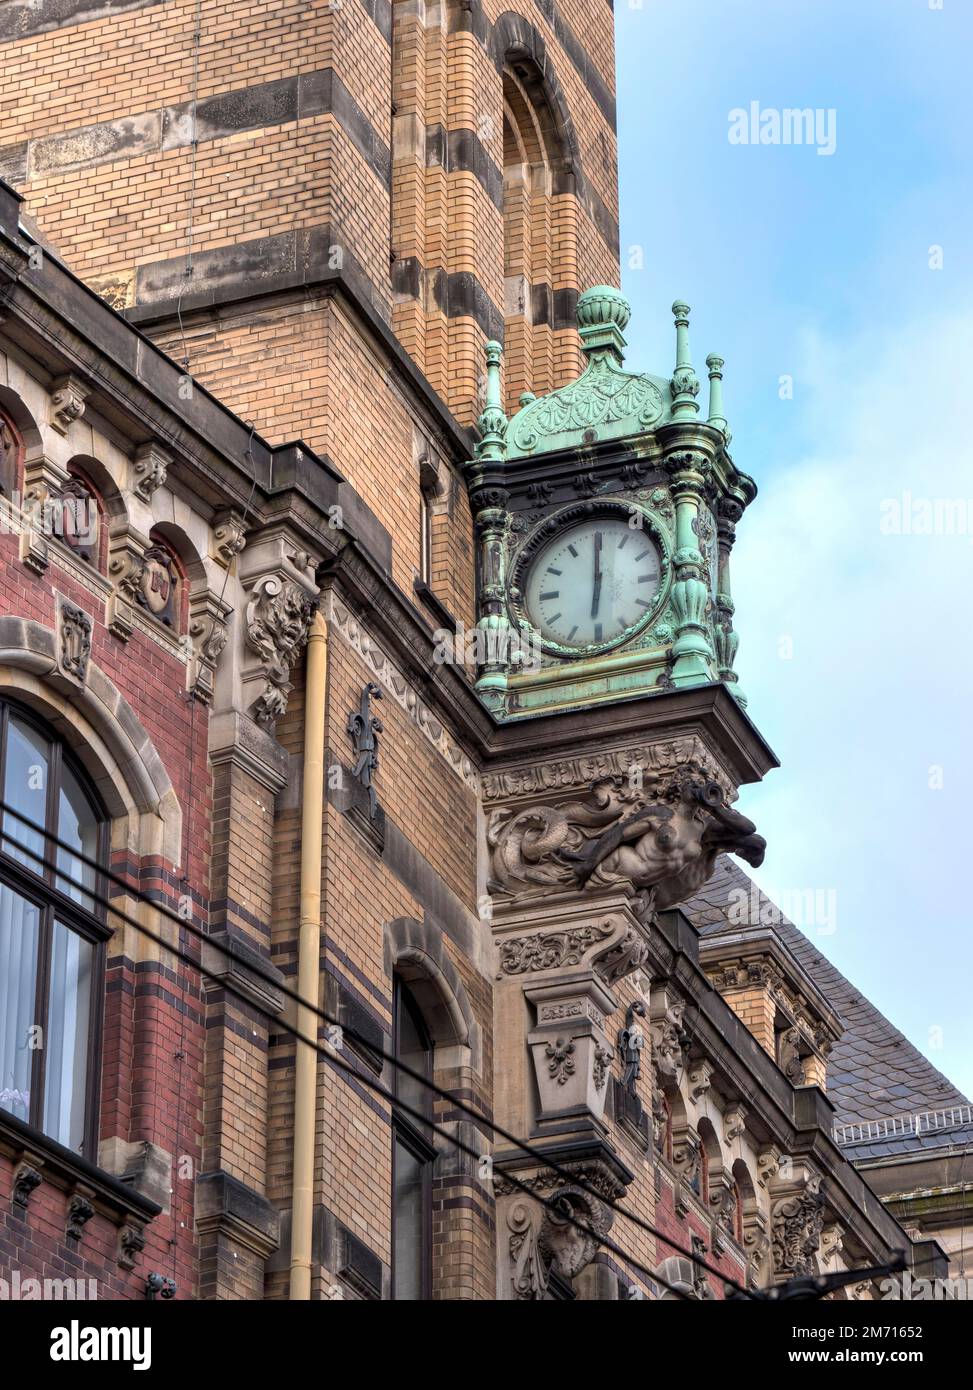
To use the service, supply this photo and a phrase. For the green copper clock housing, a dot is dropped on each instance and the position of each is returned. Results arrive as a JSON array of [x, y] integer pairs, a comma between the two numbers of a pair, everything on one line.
[[609, 443], [561, 523]]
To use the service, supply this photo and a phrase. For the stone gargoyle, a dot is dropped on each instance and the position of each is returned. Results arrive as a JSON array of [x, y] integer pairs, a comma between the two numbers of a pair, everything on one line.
[[670, 844]]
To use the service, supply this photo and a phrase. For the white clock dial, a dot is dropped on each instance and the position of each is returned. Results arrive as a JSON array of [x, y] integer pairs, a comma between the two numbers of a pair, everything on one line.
[[593, 582]]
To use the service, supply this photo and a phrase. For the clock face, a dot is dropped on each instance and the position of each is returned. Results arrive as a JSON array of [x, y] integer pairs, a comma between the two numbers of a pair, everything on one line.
[[593, 582]]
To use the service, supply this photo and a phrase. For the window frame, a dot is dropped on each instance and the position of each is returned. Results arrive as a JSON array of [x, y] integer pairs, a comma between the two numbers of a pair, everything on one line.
[[39, 886], [406, 1131]]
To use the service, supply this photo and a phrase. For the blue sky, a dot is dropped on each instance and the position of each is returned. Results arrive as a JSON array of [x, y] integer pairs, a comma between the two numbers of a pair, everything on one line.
[[855, 631]]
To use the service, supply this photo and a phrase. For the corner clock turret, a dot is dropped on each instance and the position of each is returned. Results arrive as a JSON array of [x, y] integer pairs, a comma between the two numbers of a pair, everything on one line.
[[605, 516]]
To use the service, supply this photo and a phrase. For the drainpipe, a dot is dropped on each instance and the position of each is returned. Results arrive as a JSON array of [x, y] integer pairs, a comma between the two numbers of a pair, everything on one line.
[[306, 1060]]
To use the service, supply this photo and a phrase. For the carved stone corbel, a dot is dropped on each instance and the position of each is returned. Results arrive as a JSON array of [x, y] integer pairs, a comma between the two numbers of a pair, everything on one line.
[[68, 395], [734, 1122], [797, 1222], [700, 1079], [80, 1212], [207, 633], [278, 616], [229, 537], [768, 1164], [149, 469], [126, 567]]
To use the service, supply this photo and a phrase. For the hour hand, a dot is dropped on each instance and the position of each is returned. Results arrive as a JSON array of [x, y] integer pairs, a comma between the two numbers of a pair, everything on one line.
[[596, 590]]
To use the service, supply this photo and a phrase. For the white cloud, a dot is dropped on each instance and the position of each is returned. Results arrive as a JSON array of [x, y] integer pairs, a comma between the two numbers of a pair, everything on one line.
[[877, 692]]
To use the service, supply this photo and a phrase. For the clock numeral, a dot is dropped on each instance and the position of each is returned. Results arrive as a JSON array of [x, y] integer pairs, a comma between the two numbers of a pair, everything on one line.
[[598, 631], [553, 593], [573, 551], [642, 554], [643, 603], [553, 620], [552, 570], [571, 633], [647, 578]]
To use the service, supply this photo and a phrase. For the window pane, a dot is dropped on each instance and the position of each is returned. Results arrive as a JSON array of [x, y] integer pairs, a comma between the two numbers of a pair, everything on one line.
[[25, 789], [66, 1050], [413, 1050], [19, 928], [77, 825], [409, 1224]]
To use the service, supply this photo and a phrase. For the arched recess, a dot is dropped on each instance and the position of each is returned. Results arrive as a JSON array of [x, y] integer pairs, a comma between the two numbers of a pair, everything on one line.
[[416, 951], [540, 174], [105, 735], [20, 441]]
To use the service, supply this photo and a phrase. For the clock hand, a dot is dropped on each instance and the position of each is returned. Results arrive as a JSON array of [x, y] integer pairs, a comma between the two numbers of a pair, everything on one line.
[[596, 591]]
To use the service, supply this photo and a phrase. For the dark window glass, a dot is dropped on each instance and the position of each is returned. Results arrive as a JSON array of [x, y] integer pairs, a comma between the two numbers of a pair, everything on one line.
[[51, 934], [412, 1153]]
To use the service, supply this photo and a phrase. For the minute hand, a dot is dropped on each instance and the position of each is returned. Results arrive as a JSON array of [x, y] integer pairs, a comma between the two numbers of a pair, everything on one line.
[[596, 591]]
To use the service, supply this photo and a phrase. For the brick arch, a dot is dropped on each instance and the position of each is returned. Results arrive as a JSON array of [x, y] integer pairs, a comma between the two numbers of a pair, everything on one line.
[[541, 171], [517, 44], [104, 733], [416, 951]]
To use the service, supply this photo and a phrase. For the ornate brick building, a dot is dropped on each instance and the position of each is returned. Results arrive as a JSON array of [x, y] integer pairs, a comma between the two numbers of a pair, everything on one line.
[[368, 695]]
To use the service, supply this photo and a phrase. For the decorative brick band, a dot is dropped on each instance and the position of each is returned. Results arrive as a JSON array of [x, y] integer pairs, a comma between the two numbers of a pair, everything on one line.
[[227, 113], [21, 19]]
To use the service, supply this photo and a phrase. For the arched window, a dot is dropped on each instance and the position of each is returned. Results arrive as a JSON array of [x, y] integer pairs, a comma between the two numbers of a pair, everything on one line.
[[51, 933], [412, 1152]]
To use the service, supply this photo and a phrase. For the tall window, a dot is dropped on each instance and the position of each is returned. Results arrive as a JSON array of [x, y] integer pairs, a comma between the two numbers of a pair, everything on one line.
[[51, 934], [412, 1153]]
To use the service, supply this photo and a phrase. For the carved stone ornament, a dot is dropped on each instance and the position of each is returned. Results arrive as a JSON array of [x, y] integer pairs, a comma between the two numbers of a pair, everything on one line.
[[789, 1057], [74, 628], [797, 1225], [700, 1079], [207, 633], [68, 396], [734, 1122], [768, 1165], [574, 1225], [278, 617], [150, 467], [363, 729], [670, 1043], [131, 1243], [631, 1041], [616, 835], [528, 1275], [560, 1059], [603, 1057], [80, 1212], [26, 1178], [229, 537], [521, 955]]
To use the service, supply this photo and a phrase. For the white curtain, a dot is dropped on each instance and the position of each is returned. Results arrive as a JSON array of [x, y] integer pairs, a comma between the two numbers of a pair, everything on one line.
[[19, 924], [66, 1051]]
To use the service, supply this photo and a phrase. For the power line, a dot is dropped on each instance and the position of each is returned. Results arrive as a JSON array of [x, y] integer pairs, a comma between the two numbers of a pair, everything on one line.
[[327, 1018]]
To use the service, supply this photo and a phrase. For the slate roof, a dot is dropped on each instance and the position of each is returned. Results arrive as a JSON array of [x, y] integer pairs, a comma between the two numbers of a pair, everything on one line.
[[874, 1072]]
